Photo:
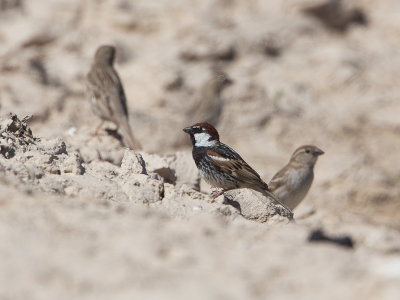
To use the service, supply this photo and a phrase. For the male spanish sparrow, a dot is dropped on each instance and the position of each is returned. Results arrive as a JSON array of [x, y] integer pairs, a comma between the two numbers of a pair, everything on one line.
[[105, 90], [293, 181], [221, 166]]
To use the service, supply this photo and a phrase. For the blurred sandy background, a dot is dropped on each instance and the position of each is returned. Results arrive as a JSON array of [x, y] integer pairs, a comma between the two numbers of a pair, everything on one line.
[[80, 235]]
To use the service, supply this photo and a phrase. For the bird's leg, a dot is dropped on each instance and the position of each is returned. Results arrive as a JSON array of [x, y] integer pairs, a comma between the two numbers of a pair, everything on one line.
[[95, 133], [98, 128], [217, 193]]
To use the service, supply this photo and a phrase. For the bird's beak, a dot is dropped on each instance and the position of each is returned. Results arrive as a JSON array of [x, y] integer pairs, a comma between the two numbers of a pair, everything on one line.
[[188, 129], [318, 152]]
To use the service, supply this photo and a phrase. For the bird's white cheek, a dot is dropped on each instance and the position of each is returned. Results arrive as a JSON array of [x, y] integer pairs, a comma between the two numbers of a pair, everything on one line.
[[202, 140]]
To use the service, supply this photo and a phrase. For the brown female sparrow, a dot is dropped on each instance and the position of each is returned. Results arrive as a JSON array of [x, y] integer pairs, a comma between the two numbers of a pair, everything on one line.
[[221, 166], [293, 181], [208, 106], [105, 90]]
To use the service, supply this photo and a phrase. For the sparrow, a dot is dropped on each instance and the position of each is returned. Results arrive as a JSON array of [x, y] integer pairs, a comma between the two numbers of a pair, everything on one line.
[[107, 96], [293, 181], [208, 104], [221, 166]]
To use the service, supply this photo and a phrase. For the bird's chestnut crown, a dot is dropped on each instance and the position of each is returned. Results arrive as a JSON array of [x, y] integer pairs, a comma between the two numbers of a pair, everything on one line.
[[202, 134]]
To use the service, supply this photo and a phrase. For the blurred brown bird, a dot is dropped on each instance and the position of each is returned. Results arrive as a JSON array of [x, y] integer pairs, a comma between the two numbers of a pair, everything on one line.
[[208, 104], [105, 90], [293, 181]]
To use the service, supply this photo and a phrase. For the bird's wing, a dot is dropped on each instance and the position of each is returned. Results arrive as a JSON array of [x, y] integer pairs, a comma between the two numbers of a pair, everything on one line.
[[105, 86], [279, 179], [230, 162], [96, 92], [119, 92]]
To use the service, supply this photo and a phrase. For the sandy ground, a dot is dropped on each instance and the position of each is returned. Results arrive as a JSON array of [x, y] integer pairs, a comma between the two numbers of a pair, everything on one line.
[[85, 218]]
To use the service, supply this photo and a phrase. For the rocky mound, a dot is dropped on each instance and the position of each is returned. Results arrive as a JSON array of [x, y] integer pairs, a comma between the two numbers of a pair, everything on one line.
[[168, 183]]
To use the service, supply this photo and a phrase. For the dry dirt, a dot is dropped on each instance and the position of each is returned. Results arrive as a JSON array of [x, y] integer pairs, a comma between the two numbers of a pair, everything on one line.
[[84, 218]]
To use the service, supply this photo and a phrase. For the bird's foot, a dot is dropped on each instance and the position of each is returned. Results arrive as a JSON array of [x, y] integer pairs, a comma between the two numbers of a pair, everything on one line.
[[216, 193], [96, 132], [291, 216]]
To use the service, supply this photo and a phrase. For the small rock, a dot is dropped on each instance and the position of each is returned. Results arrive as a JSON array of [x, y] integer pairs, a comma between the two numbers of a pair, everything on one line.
[[73, 164], [253, 206], [6, 150], [133, 162], [142, 188], [53, 147], [159, 164]]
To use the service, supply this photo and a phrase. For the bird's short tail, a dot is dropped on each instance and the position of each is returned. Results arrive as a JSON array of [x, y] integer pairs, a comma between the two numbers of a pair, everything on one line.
[[270, 194], [129, 139]]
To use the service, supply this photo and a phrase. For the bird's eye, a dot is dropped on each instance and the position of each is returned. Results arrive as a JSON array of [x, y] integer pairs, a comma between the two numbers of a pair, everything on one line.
[[307, 151], [196, 129]]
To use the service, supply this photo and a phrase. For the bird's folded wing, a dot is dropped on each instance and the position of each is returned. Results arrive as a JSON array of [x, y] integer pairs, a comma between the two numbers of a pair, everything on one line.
[[236, 167], [278, 180], [105, 86], [97, 91], [116, 92]]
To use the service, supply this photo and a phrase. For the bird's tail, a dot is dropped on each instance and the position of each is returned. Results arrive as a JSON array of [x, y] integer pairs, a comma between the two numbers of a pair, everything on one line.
[[129, 139], [266, 192]]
